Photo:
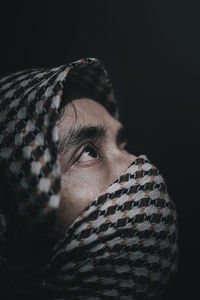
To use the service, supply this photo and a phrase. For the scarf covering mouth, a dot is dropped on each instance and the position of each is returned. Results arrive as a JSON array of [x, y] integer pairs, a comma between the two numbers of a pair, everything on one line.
[[123, 246]]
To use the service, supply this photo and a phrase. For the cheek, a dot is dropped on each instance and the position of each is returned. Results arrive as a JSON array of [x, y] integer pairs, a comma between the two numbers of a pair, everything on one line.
[[82, 189], [78, 190]]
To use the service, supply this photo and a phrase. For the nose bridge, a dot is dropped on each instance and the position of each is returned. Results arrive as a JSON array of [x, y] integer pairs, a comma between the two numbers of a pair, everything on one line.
[[121, 160]]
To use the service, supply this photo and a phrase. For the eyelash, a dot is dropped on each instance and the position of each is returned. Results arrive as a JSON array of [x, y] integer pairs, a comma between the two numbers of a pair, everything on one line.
[[99, 152]]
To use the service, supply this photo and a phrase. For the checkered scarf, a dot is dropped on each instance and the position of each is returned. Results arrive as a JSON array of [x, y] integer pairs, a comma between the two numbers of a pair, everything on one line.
[[123, 246]]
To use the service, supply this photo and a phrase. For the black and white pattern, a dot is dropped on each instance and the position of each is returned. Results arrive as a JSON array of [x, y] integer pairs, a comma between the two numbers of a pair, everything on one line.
[[123, 246]]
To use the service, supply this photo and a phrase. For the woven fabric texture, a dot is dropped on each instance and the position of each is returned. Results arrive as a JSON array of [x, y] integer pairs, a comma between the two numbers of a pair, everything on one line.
[[123, 246]]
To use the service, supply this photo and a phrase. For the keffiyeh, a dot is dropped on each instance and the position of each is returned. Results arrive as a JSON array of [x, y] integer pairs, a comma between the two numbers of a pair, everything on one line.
[[123, 246]]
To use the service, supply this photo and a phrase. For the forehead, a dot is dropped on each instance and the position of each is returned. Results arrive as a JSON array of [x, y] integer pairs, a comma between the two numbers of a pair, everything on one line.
[[86, 111]]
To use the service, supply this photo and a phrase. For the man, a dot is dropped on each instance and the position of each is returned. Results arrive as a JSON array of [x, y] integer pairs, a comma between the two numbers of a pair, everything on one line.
[[81, 218]]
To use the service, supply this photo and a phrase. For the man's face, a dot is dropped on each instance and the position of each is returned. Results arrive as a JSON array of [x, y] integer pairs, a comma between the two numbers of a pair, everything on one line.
[[92, 155]]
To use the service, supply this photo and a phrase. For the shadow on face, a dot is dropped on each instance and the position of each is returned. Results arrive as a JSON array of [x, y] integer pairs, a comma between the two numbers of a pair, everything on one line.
[[92, 154]]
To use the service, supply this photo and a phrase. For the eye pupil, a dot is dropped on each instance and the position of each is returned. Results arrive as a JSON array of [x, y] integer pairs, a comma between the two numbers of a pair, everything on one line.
[[90, 151], [88, 154]]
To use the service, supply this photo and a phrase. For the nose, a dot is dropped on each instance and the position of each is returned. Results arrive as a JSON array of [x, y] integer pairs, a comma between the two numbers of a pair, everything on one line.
[[120, 161]]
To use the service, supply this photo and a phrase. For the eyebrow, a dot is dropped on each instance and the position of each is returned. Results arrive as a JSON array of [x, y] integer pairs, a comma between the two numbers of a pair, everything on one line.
[[78, 135]]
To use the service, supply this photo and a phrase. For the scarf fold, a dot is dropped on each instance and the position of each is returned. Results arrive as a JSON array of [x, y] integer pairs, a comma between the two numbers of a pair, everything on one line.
[[124, 245]]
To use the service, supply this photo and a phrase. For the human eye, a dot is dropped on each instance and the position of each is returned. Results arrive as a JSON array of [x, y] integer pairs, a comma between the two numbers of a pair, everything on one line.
[[126, 146], [123, 141], [88, 153], [89, 156]]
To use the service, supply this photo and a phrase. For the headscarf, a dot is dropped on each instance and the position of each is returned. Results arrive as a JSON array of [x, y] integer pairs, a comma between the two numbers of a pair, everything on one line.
[[124, 244]]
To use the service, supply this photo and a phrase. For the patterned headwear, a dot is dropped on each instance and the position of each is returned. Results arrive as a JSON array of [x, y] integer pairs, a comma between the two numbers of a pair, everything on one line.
[[123, 246]]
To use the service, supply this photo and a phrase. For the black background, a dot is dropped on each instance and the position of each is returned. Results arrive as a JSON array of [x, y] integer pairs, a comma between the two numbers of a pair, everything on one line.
[[151, 50]]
